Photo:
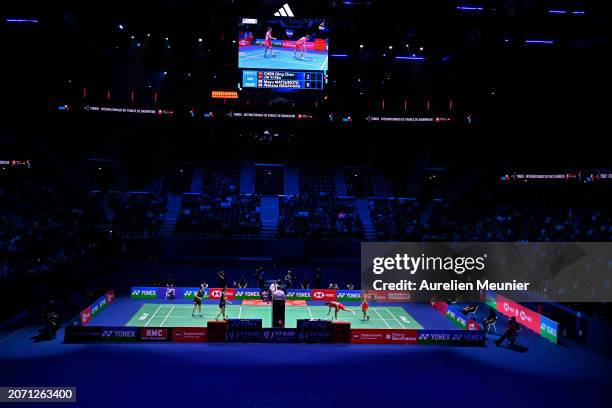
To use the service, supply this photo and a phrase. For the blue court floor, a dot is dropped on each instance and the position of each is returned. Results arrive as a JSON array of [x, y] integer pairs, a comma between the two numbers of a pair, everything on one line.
[[306, 375]]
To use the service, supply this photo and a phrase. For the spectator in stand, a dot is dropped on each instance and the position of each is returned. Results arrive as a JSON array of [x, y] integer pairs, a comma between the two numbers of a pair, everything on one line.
[[350, 286], [243, 282], [138, 213], [305, 284], [333, 286], [49, 232], [319, 216], [288, 280], [221, 210]]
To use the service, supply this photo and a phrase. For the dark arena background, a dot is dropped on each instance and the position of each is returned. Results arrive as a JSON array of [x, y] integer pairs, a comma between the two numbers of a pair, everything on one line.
[[153, 153]]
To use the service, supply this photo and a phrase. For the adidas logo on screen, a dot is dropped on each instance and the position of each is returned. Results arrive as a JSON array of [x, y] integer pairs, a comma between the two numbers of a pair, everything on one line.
[[284, 11]]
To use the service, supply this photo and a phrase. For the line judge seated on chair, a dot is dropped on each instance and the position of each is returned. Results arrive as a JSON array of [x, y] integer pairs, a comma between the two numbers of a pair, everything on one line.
[[511, 332], [490, 320]]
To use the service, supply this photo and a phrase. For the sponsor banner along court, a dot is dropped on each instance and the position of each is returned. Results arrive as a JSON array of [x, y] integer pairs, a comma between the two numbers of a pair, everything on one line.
[[534, 321], [323, 295]]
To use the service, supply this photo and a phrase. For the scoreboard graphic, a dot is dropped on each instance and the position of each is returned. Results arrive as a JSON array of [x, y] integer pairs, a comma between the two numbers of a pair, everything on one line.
[[283, 79], [283, 53]]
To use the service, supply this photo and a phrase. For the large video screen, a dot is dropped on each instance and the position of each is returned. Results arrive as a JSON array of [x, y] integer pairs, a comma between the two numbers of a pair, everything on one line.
[[283, 52]]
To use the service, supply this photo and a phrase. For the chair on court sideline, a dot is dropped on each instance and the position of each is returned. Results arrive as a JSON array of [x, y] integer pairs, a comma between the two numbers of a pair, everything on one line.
[[514, 340]]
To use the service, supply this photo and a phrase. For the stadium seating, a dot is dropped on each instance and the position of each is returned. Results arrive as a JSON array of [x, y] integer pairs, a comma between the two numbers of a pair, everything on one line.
[[48, 233], [138, 212], [227, 215], [219, 209], [319, 216], [315, 181], [396, 219]]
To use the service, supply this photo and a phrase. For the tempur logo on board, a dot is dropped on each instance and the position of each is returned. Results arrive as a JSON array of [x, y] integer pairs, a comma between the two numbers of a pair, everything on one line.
[[413, 264]]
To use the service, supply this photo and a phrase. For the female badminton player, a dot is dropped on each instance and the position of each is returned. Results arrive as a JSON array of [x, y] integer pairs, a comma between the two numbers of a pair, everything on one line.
[[268, 43], [337, 306]]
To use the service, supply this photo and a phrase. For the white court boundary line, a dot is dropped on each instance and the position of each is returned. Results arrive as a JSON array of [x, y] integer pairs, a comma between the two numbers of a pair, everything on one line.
[[324, 63], [11, 335], [381, 318], [251, 56], [396, 319], [179, 307], [168, 315], [344, 317], [151, 318]]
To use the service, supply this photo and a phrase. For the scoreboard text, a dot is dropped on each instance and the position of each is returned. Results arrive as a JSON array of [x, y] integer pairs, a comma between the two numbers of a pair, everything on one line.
[[282, 79]]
